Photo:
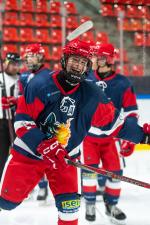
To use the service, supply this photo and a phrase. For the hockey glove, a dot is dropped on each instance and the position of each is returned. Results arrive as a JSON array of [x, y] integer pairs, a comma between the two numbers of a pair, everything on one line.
[[146, 129], [127, 148], [51, 150], [8, 102]]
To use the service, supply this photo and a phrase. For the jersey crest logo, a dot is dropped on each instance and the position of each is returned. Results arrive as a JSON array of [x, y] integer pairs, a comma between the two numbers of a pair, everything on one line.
[[67, 106], [50, 125], [102, 85], [52, 128]]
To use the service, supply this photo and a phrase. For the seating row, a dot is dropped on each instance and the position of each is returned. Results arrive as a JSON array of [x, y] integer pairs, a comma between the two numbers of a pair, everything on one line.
[[133, 2], [40, 6], [130, 11], [38, 20], [51, 36]]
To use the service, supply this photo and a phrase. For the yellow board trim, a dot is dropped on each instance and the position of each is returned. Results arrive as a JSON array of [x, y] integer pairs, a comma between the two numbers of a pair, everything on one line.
[[142, 147]]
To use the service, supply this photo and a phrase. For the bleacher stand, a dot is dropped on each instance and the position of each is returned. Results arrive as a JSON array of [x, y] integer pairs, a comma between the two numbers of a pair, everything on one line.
[[30, 21]]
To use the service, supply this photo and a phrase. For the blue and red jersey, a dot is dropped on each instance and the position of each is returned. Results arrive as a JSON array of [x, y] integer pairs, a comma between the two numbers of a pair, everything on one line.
[[27, 75], [120, 91], [45, 104]]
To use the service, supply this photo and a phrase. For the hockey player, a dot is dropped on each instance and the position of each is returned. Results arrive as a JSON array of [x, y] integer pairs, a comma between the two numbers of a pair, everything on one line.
[[8, 101], [34, 56], [97, 148], [53, 117]]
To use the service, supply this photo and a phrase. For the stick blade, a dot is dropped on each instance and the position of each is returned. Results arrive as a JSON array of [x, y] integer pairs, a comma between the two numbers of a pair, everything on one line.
[[80, 30]]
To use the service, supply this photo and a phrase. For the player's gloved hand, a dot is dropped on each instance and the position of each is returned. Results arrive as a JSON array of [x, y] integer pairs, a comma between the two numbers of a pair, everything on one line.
[[51, 150], [127, 148], [146, 129], [8, 102]]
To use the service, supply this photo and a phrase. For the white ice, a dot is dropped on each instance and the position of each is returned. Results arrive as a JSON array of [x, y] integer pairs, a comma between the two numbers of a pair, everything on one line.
[[135, 201]]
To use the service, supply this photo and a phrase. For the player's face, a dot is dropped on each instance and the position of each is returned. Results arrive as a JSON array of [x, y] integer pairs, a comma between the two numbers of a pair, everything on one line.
[[77, 64], [31, 59], [101, 61]]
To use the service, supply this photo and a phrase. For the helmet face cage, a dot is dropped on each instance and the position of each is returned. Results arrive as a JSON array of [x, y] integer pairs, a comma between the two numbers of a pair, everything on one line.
[[108, 59], [77, 48], [73, 77]]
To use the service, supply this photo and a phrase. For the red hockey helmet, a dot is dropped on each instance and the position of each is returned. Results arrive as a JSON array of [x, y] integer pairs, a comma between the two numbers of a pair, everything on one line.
[[107, 51], [77, 47], [34, 49], [94, 49]]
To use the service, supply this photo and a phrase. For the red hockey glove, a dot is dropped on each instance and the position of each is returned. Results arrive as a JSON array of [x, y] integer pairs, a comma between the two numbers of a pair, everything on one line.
[[146, 129], [51, 150], [8, 102], [127, 148]]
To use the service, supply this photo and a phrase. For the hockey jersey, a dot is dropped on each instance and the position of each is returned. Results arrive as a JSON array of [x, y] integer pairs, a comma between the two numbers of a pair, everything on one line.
[[45, 105], [26, 76], [120, 91]]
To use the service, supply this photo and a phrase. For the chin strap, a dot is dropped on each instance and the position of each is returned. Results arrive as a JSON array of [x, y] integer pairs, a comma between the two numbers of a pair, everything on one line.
[[104, 75], [71, 84], [73, 79]]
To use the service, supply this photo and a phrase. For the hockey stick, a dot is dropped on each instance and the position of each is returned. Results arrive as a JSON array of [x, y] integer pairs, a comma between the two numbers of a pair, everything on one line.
[[108, 174], [80, 30]]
